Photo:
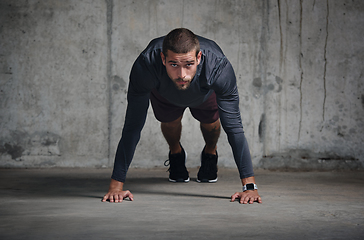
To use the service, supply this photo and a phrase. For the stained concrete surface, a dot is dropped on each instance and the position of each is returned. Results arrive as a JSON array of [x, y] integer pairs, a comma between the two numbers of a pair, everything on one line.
[[66, 204]]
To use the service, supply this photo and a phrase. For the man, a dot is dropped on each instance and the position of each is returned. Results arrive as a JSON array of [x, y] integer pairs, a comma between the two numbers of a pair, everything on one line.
[[174, 72]]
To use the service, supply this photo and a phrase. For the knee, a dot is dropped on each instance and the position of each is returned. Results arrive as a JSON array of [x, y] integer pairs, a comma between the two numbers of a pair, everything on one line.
[[172, 124], [215, 126]]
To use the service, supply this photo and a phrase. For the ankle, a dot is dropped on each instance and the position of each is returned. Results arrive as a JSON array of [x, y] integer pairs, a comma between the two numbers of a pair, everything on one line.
[[211, 151], [176, 149]]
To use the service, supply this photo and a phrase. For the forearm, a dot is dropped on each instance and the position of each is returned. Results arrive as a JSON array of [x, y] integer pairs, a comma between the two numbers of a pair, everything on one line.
[[240, 148], [134, 122], [124, 155], [232, 125]]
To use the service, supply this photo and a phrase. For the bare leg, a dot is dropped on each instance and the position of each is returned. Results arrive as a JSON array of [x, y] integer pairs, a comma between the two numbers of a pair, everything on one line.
[[172, 133], [211, 133]]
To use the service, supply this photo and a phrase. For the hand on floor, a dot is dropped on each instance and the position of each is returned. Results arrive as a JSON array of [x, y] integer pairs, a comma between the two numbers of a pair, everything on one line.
[[118, 196], [116, 193], [247, 197]]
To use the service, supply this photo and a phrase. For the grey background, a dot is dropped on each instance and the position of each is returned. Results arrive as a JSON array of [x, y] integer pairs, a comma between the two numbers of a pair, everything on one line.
[[64, 68]]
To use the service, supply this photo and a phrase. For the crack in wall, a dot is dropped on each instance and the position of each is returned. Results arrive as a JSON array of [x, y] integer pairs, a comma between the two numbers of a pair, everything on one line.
[[325, 65], [263, 61], [301, 69], [281, 66], [281, 35]]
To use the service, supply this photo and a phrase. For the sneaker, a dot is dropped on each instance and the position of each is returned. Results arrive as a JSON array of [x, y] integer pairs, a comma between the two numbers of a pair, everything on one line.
[[208, 169], [177, 168]]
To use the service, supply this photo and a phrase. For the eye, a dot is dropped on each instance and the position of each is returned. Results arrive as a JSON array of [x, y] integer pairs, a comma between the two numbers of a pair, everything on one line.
[[174, 65]]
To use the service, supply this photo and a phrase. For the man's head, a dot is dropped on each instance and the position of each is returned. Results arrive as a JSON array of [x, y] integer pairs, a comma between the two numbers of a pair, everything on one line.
[[181, 40], [181, 54]]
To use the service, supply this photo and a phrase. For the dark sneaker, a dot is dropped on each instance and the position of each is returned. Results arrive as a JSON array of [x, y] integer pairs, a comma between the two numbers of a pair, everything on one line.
[[177, 168], [208, 169]]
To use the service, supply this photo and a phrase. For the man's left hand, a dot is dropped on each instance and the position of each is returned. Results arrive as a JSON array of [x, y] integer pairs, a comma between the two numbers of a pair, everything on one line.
[[248, 196]]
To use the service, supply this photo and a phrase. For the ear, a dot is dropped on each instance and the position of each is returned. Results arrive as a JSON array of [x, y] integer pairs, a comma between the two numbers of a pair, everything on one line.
[[199, 57], [163, 58]]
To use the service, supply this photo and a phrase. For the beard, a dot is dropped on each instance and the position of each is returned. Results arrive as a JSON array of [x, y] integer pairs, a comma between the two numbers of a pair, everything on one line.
[[182, 84]]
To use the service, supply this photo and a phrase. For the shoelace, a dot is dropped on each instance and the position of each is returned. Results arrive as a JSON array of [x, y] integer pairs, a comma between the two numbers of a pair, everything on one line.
[[166, 164]]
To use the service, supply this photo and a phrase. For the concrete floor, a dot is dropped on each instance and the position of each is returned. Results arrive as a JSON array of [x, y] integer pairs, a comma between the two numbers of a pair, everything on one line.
[[66, 204]]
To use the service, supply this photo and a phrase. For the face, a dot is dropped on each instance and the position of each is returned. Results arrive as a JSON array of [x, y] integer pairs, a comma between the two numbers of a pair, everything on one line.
[[181, 67]]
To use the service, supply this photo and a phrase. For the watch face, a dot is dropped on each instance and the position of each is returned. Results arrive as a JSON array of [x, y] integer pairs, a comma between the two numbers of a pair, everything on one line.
[[250, 186]]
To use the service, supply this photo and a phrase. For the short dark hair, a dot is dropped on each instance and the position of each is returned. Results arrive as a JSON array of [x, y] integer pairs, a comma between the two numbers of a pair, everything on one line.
[[181, 40]]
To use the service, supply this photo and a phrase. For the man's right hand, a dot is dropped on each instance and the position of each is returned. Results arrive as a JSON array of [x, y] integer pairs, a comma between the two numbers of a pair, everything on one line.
[[116, 193]]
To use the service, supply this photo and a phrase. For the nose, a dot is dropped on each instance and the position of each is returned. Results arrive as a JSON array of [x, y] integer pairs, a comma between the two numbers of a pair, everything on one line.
[[181, 73]]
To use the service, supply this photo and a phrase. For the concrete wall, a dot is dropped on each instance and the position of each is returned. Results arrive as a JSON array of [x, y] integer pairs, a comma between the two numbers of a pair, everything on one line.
[[64, 68]]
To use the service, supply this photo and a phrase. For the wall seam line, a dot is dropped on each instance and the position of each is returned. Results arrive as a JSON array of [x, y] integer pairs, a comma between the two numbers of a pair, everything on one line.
[[109, 19]]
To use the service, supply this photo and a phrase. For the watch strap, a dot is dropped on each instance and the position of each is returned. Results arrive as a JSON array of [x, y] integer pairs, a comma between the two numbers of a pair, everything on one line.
[[250, 186]]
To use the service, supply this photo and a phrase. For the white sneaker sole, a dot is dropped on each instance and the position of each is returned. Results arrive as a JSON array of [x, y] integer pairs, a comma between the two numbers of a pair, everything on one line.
[[186, 181], [209, 181]]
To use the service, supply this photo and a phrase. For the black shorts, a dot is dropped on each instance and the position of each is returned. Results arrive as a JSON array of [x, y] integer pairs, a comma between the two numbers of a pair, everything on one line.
[[164, 111]]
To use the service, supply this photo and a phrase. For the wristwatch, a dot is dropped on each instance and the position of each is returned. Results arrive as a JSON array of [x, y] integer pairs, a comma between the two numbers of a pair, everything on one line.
[[250, 186]]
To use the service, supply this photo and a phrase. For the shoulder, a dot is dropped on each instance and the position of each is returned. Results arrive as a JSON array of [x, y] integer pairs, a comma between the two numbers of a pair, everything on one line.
[[210, 47], [212, 55], [148, 67], [154, 46], [150, 57]]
